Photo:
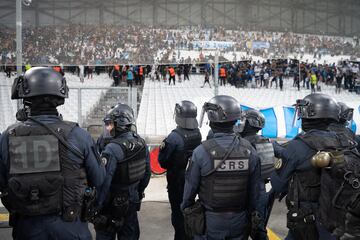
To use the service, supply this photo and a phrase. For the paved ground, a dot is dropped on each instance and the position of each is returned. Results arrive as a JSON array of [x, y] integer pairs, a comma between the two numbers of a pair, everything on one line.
[[154, 216]]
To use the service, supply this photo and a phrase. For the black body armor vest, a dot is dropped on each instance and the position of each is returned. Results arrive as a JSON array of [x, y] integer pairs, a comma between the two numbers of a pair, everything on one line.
[[42, 178], [192, 139], [226, 188], [339, 183], [265, 151], [305, 185], [133, 168]]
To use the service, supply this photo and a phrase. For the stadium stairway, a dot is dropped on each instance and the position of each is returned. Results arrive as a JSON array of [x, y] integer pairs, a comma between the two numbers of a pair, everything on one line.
[[108, 99]]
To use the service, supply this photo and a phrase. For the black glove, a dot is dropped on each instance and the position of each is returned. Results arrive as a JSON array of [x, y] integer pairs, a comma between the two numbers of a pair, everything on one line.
[[138, 204]]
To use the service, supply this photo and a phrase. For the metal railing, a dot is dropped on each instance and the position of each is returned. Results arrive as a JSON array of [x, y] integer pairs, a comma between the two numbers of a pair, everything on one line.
[[85, 105]]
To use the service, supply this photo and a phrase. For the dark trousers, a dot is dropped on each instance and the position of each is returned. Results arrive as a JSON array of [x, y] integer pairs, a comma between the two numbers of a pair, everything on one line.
[[206, 81], [186, 76], [173, 78], [129, 83], [274, 80], [129, 231], [347, 82], [304, 80], [222, 81], [50, 227], [298, 84], [175, 192], [8, 73], [116, 81], [313, 90]]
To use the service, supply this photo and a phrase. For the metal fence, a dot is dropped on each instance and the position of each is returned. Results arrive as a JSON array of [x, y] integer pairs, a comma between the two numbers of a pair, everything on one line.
[[85, 105]]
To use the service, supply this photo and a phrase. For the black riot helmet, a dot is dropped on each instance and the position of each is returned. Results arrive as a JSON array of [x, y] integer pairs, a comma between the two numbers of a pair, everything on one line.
[[221, 109], [346, 113], [121, 114], [185, 115], [318, 106], [254, 118], [122, 118], [39, 81]]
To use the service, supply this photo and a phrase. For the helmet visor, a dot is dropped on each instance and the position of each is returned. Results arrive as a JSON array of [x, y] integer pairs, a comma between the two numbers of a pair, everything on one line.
[[202, 116], [109, 129], [239, 126]]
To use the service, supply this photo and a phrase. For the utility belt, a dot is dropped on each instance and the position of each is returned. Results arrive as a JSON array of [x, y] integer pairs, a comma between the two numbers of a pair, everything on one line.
[[113, 216], [194, 220], [69, 213]]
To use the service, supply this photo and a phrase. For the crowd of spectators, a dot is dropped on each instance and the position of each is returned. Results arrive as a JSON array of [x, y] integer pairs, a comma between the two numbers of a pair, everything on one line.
[[109, 44], [272, 73]]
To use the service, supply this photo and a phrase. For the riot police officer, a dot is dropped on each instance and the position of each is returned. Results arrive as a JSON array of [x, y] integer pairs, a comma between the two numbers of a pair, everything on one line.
[[295, 173], [225, 173], [252, 122], [47, 165], [175, 151], [128, 174], [339, 180]]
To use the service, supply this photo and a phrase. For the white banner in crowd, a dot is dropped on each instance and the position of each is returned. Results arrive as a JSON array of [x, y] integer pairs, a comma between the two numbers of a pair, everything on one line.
[[212, 45]]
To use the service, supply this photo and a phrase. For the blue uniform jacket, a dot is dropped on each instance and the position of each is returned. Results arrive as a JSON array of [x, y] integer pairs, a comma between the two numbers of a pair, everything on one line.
[[115, 154], [173, 142], [201, 165]]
